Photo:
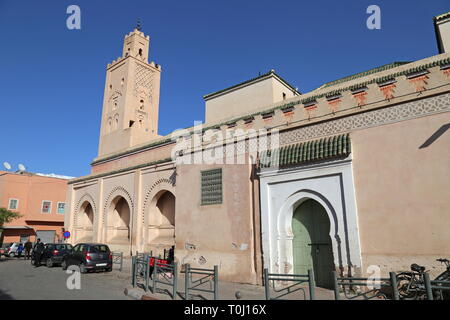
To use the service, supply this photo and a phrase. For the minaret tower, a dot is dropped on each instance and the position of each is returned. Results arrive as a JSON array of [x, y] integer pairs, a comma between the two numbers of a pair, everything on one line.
[[131, 98]]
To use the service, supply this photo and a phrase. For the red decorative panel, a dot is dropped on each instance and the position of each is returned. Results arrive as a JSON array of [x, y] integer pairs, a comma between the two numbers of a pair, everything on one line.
[[419, 82], [360, 98], [334, 104], [388, 91]]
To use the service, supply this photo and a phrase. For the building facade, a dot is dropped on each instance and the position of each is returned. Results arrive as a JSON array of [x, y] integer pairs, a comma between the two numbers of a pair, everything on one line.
[[351, 175], [41, 202]]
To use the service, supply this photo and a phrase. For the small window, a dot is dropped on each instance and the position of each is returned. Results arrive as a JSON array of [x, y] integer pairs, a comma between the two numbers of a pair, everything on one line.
[[13, 204], [284, 96], [211, 187], [46, 206], [61, 207]]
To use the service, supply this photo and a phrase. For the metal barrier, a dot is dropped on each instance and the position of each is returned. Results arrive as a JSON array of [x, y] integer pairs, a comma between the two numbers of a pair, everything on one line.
[[438, 286], [140, 271], [296, 278], [373, 293], [164, 273], [142, 254], [117, 258], [206, 276]]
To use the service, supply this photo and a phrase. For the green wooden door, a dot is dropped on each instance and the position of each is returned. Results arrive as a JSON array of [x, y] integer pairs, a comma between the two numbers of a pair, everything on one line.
[[312, 244]]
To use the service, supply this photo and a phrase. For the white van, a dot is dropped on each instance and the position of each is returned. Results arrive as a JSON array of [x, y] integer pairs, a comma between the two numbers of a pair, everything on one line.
[[11, 251]]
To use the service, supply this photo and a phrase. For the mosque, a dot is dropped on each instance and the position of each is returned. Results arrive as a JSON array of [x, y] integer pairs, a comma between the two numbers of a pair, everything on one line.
[[352, 174]]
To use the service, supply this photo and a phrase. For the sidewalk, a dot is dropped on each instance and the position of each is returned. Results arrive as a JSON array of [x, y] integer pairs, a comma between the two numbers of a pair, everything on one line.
[[227, 290]]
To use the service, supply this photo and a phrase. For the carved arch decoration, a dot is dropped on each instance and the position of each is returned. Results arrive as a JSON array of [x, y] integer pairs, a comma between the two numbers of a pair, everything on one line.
[[85, 197], [117, 191], [147, 199]]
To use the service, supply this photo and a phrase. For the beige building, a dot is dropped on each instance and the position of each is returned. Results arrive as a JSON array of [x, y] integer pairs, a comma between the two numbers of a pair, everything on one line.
[[350, 175]]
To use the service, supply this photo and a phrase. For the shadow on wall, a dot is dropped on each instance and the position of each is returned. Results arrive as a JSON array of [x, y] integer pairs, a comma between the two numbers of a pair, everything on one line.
[[439, 132]]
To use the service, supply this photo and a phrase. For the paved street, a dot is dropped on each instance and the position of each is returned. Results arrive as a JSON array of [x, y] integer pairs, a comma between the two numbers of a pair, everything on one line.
[[20, 280]]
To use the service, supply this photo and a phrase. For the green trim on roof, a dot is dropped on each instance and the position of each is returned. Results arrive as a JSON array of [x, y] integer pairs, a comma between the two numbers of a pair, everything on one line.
[[442, 16], [339, 91], [365, 73], [320, 149], [271, 72], [100, 175], [309, 99], [147, 146]]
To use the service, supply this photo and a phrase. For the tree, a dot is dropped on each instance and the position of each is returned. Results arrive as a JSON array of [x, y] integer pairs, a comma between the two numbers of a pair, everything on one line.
[[7, 216]]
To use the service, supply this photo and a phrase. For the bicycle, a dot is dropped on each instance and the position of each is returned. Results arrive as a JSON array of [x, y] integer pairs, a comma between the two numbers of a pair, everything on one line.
[[411, 285]]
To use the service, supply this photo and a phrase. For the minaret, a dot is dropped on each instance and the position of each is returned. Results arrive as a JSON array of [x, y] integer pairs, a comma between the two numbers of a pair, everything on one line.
[[131, 98]]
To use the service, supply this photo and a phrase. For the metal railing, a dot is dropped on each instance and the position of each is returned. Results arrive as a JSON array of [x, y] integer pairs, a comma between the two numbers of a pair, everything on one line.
[[297, 279], [140, 271], [117, 259], [142, 254], [207, 276], [435, 287], [374, 285], [165, 273]]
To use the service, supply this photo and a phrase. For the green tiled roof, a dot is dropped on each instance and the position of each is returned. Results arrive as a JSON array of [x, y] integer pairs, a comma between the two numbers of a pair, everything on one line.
[[303, 152], [365, 73], [301, 100]]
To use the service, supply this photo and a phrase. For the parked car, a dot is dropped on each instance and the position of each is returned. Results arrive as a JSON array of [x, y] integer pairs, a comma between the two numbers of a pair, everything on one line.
[[54, 253], [9, 249], [4, 248], [89, 256]]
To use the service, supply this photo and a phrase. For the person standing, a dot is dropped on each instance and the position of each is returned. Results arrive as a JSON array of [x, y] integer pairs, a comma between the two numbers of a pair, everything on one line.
[[19, 250], [38, 249], [28, 246]]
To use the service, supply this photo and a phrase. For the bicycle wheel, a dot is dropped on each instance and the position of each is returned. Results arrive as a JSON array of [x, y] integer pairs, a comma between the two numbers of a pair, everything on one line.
[[406, 287]]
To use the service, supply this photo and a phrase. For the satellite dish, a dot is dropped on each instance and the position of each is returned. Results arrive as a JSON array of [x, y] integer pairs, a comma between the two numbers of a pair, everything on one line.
[[21, 167], [7, 165]]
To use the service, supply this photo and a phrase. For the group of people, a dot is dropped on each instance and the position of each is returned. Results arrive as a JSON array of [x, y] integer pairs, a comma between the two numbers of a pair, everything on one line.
[[27, 248], [38, 249]]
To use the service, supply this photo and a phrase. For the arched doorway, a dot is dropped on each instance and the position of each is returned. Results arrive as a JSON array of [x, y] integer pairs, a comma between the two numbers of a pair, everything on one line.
[[166, 207], [312, 246], [161, 223], [85, 223], [119, 221]]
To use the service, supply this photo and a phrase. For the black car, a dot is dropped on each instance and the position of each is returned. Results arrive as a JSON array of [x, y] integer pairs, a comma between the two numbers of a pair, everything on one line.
[[89, 256], [54, 253]]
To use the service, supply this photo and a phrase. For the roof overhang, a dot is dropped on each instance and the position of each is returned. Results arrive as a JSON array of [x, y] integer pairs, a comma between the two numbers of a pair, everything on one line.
[[15, 228]]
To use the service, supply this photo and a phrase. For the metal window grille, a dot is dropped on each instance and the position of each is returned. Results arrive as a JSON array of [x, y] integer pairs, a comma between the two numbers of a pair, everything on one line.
[[211, 185]]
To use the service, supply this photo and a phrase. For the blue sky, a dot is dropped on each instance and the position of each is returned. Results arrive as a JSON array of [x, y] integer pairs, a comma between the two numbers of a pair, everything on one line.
[[52, 78]]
